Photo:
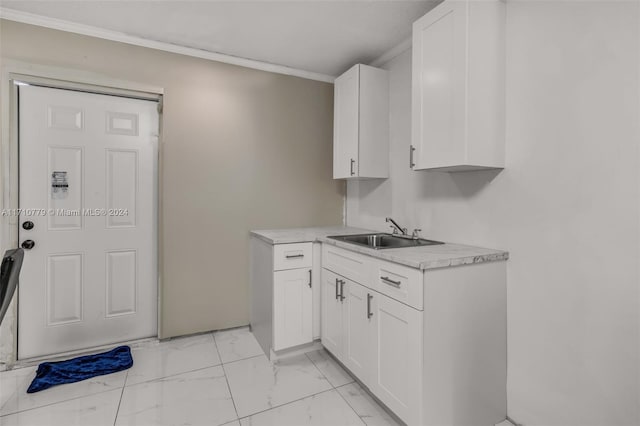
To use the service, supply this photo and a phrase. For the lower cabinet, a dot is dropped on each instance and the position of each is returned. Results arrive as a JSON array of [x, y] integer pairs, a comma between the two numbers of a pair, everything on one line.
[[378, 339], [359, 332], [398, 358], [332, 318], [292, 306], [284, 297]]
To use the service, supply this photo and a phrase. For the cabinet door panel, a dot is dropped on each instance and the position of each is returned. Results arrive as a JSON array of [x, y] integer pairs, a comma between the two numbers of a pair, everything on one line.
[[292, 308], [346, 124], [398, 358], [439, 85], [332, 318], [359, 329]]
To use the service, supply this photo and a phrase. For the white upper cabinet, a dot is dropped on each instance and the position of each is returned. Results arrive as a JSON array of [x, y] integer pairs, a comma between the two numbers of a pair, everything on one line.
[[458, 93], [361, 124]]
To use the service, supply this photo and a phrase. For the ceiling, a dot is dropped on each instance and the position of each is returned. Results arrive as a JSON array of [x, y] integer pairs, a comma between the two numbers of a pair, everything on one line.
[[325, 37]]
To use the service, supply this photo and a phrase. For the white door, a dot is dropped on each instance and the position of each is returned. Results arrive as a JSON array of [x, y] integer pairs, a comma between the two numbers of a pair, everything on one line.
[[88, 185], [332, 313], [346, 124], [359, 331], [292, 308]]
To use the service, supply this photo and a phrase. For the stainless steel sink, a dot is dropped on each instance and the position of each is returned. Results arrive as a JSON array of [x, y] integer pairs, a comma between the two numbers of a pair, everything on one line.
[[384, 241]]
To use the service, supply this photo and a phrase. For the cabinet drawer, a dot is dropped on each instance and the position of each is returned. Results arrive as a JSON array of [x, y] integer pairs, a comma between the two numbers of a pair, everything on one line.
[[399, 282], [353, 266], [291, 256]]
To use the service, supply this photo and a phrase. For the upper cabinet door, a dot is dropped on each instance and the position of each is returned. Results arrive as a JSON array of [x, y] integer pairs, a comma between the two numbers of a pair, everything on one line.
[[346, 124], [458, 87], [361, 124]]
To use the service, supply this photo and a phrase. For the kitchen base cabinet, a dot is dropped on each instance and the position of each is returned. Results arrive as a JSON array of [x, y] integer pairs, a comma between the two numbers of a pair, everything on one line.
[[378, 339], [437, 361], [282, 295]]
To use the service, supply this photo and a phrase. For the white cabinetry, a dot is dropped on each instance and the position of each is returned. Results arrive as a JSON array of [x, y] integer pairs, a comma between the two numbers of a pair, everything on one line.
[[361, 124], [458, 89], [398, 357], [359, 332], [282, 295], [332, 317], [292, 308], [431, 345], [377, 338]]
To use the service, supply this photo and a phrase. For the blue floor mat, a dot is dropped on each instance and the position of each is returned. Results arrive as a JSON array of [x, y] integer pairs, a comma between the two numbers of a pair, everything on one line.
[[74, 370]]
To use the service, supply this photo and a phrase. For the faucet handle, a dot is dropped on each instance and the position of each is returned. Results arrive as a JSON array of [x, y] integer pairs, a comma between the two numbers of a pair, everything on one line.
[[394, 230], [416, 233]]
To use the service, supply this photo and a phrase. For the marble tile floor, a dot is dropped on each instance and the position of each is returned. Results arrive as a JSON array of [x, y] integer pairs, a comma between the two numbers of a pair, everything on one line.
[[220, 378]]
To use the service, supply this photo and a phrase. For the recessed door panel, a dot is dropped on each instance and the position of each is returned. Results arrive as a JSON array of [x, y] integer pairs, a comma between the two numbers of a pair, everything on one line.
[[65, 117], [122, 188], [122, 123], [64, 289], [122, 282]]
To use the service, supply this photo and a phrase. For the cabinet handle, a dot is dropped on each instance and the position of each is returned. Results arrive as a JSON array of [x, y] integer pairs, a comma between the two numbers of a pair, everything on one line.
[[310, 278], [294, 256], [389, 281], [369, 313], [341, 290], [337, 284], [353, 162], [411, 163]]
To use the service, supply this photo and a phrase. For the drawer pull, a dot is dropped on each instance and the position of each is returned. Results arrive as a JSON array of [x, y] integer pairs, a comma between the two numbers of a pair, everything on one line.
[[389, 281], [294, 256]]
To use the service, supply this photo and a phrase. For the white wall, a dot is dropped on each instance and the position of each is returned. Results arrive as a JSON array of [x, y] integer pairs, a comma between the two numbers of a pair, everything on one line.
[[566, 207]]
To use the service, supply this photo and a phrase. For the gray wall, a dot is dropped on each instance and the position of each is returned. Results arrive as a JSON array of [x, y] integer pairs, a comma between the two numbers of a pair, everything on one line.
[[242, 149], [566, 207]]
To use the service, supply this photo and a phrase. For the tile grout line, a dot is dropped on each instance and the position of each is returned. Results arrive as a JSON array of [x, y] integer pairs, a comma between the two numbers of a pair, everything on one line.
[[124, 385], [242, 359], [317, 368], [157, 379], [336, 389], [347, 402], [286, 403], [341, 386], [226, 379]]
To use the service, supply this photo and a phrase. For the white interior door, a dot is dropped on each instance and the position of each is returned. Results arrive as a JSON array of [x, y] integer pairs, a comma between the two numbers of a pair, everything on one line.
[[88, 185]]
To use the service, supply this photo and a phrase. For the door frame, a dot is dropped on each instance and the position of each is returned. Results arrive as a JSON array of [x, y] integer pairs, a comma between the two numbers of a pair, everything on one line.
[[69, 79]]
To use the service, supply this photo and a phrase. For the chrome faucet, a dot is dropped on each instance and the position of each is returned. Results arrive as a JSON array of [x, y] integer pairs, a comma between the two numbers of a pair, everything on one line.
[[396, 228]]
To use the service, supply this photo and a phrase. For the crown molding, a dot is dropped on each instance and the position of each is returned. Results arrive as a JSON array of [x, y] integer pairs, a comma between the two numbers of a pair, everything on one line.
[[392, 53], [88, 30]]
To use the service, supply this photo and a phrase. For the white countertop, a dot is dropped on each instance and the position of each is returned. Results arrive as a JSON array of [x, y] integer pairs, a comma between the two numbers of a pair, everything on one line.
[[425, 257], [304, 235]]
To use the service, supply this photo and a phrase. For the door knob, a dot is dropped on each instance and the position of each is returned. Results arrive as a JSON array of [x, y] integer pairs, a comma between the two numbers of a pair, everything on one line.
[[28, 244], [28, 225]]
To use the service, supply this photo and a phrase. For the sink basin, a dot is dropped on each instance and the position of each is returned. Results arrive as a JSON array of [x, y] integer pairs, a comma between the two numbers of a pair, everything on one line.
[[383, 241]]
